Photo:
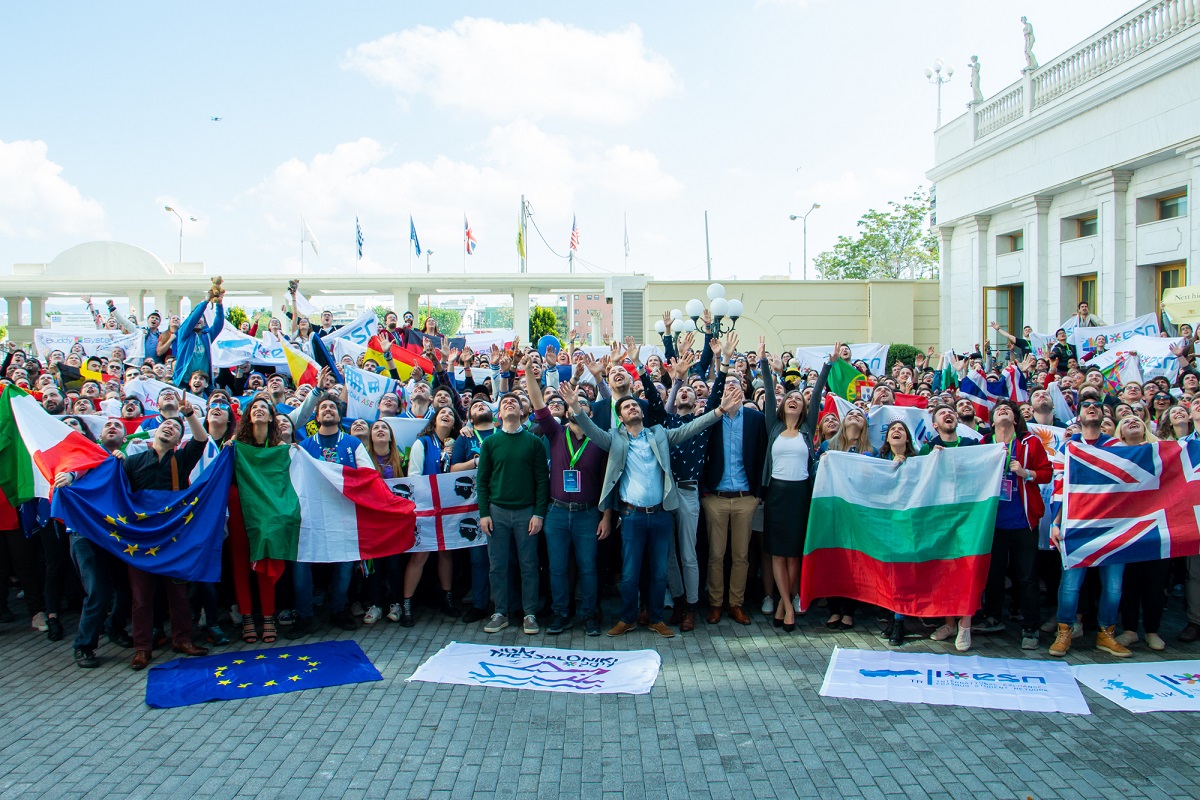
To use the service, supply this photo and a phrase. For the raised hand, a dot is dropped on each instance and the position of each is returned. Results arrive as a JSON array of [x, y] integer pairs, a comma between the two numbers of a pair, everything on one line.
[[667, 323], [762, 347], [836, 355], [686, 341], [730, 346], [592, 366], [495, 355], [551, 354], [570, 394], [732, 398]]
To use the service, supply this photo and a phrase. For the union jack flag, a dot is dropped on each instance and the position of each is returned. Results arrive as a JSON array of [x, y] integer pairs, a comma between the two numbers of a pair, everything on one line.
[[1127, 504], [574, 234], [984, 393], [468, 236]]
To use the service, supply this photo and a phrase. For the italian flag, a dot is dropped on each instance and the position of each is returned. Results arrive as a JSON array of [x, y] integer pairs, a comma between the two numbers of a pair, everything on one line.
[[297, 508], [915, 537], [845, 381], [34, 447]]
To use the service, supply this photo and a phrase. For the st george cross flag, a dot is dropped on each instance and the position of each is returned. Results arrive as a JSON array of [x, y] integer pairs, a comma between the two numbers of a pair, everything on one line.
[[1127, 504], [447, 510]]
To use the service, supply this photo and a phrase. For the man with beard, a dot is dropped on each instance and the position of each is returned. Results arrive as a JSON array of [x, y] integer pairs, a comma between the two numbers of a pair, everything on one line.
[[1043, 409], [100, 573], [168, 408], [465, 456], [966, 415], [52, 401], [945, 425], [604, 412]]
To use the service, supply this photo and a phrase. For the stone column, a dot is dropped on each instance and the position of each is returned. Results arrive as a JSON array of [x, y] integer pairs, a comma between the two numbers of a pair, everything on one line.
[[37, 312], [520, 297], [1036, 209], [967, 324], [945, 292], [1109, 189], [14, 310]]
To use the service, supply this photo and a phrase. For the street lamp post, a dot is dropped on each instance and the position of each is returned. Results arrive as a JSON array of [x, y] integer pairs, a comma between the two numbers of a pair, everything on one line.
[[720, 309], [176, 213], [804, 219], [939, 74], [428, 253]]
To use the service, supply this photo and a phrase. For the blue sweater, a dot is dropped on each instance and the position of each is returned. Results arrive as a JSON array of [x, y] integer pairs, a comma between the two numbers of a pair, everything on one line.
[[193, 349]]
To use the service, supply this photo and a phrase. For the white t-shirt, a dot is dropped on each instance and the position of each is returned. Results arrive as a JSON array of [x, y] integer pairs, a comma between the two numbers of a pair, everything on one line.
[[789, 458]]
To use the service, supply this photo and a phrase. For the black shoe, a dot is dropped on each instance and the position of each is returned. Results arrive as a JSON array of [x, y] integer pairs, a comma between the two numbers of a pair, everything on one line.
[[344, 620], [448, 606], [159, 637], [591, 626], [86, 657], [55, 629], [302, 627], [121, 639], [406, 615], [897, 637], [6, 615], [777, 622], [887, 629], [1190, 633], [474, 614], [788, 627], [559, 624]]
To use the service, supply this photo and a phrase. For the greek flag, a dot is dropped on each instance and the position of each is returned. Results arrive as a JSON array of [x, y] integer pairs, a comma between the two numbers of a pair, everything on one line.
[[358, 235]]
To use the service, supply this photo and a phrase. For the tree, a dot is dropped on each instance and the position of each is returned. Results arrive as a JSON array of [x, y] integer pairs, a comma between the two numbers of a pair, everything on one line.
[[448, 320], [542, 321], [895, 243], [380, 313], [498, 317], [236, 315]]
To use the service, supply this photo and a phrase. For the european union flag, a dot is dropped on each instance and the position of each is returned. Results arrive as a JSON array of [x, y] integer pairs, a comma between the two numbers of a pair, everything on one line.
[[175, 534], [253, 673]]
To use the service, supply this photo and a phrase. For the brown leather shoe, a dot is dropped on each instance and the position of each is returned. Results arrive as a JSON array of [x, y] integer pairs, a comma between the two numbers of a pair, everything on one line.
[[189, 649], [689, 621], [1190, 633], [714, 615], [141, 659], [662, 630], [676, 614], [737, 615], [643, 617], [621, 628]]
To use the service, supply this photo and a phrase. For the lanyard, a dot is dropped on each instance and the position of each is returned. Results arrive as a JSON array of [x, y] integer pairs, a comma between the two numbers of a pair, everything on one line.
[[478, 438], [571, 448]]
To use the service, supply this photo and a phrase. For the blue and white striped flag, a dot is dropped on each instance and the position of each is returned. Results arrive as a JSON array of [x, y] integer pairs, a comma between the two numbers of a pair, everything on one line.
[[358, 235]]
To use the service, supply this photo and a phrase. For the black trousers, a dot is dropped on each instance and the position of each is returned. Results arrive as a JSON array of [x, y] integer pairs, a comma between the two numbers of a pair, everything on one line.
[[1020, 545], [1143, 593]]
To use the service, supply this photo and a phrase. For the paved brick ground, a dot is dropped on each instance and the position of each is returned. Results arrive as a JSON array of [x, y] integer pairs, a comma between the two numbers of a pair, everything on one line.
[[735, 713]]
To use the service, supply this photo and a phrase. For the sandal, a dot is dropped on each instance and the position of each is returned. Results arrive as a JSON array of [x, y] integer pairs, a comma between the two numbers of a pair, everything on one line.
[[268, 630], [249, 634]]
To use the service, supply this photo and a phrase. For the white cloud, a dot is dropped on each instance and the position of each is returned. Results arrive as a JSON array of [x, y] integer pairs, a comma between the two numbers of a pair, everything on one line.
[[506, 71], [37, 202]]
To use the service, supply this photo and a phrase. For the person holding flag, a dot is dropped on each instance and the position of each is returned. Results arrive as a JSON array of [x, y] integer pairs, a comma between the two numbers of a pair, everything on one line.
[[192, 347]]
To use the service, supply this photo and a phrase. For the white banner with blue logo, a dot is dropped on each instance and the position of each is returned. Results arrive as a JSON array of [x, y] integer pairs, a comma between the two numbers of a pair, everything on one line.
[[544, 669], [1155, 686], [1014, 684]]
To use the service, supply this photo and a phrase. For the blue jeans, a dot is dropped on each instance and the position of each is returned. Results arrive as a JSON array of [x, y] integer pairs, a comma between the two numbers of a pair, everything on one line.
[[644, 535], [1110, 594], [511, 527], [563, 529], [96, 577], [302, 583]]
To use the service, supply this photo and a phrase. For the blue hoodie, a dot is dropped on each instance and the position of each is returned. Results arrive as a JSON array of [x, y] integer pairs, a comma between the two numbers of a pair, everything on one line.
[[192, 349]]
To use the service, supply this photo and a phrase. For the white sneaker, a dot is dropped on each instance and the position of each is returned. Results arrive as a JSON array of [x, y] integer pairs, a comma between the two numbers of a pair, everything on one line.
[[235, 616], [1049, 626], [768, 606], [1077, 630], [497, 623], [530, 625], [796, 603], [1127, 638], [943, 633], [203, 621], [1155, 642], [373, 615], [394, 612], [40, 622], [962, 642]]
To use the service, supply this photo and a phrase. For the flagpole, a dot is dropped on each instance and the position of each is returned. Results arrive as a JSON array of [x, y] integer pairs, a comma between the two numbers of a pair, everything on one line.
[[301, 244], [466, 242], [626, 241], [410, 244]]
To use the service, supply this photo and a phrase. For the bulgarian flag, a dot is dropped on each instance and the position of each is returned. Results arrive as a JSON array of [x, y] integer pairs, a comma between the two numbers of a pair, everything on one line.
[[302, 368], [34, 447], [403, 358], [915, 537], [297, 508], [845, 381]]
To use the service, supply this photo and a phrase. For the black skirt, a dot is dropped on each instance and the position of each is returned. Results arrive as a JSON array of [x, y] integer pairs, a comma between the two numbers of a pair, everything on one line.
[[785, 516]]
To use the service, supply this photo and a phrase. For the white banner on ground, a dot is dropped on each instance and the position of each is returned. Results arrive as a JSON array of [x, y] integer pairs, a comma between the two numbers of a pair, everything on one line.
[[1158, 686], [545, 669], [1084, 339], [447, 510], [1015, 684], [875, 355], [358, 332], [363, 392], [232, 348], [95, 343]]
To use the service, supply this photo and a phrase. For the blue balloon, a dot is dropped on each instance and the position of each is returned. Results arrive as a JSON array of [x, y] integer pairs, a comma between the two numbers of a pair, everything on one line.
[[547, 341]]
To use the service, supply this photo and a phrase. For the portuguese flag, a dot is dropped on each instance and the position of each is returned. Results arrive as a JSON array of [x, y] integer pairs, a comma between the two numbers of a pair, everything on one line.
[[915, 538], [845, 381]]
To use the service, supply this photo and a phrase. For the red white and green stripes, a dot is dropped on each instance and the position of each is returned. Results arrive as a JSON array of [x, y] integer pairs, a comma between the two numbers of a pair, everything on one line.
[[915, 538]]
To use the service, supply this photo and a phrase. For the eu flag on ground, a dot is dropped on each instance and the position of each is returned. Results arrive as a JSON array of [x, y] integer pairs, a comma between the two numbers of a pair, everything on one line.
[[174, 534], [253, 673]]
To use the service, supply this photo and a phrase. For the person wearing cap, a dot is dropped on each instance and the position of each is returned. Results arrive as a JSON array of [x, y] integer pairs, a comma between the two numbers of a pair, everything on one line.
[[464, 457]]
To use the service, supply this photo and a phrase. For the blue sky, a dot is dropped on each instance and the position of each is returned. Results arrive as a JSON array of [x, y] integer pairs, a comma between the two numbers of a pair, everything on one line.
[[660, 111]]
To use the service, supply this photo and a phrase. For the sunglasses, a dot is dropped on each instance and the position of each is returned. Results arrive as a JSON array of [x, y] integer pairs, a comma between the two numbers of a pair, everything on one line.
[[1090, 404], [220, 405]]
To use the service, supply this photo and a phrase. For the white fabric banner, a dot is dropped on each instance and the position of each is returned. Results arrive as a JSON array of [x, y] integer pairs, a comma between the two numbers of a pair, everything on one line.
[[358, 332], [363, 392], [342, 348], [874, 354], [147, 390], [482, 342], [546, 669], [447, 510], [1015, 684], [1084, 339], [1140, 688], [406, 430], [919, 423], [232, 348], [95, 343]]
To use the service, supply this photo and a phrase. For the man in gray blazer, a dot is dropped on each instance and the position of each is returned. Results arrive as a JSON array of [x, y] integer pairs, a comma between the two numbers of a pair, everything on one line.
[[639, 486]]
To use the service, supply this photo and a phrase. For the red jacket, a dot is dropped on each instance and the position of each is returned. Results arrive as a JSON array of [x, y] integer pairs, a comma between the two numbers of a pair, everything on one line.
[[1032, 454]]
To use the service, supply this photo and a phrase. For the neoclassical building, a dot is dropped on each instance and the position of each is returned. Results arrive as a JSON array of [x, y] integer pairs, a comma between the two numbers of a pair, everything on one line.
[[1074, 182]]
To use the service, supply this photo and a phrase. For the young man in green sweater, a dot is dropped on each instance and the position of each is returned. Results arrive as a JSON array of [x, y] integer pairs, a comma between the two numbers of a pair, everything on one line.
[[513, 487]]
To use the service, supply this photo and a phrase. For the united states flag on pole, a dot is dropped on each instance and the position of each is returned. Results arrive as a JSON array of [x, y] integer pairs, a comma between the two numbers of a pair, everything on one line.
[[1127, 504], [574, 234], [358, 237]]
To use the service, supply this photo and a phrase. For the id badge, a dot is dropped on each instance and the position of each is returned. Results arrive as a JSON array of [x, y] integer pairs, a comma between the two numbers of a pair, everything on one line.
[[571, 480], [1006, 489]]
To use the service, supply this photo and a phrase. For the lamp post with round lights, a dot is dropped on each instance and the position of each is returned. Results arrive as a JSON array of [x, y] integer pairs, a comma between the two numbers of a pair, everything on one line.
[[719, 307], [940, 73], [679, 324]]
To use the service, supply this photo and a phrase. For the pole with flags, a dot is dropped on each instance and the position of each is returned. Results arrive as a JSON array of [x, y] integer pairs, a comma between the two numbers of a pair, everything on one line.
[[627, 241], [358, 242], [522, 256], [468, 241], [412, 237], [306, 235], [574, 245]]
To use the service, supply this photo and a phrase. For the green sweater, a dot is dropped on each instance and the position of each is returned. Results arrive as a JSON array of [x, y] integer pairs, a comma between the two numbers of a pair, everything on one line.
[[513, 473]]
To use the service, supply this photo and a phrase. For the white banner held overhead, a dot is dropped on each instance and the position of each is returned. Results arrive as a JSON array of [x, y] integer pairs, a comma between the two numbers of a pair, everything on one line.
[[364, 390], [1084, 339], [232, 348], [1015, 684], [545, 669], [447, 510], [875, 356], [358, 332], [95, 343], [148, 389], [1140, 688]]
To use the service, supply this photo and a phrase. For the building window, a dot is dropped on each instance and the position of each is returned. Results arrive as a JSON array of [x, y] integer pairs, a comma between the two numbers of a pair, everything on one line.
[[1086, 226], [1010, 243], [1005, 305], [576, 297], [1170, 276], [1087, 291], [1172, 207]]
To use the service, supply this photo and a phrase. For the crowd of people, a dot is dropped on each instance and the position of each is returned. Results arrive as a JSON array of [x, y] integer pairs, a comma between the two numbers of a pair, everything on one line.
[[593, 474]]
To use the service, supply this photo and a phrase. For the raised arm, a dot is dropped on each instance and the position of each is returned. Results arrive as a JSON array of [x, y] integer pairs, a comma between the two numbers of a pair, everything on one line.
[[603, 439]]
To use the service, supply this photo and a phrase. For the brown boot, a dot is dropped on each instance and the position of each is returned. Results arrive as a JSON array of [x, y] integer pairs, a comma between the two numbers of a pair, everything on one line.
[[1106, 642], [689, 621], [1062, 642], [676, 613]]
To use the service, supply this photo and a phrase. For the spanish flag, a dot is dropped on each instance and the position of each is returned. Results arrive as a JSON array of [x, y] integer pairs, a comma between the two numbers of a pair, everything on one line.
[[303, 368], [403, 359]]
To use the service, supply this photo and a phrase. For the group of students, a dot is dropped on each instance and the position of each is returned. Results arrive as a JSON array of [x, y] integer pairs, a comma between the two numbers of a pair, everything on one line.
[[590, 473]]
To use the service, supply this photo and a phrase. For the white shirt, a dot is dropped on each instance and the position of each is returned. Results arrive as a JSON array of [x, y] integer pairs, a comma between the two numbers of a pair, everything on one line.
[[789, 458]]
